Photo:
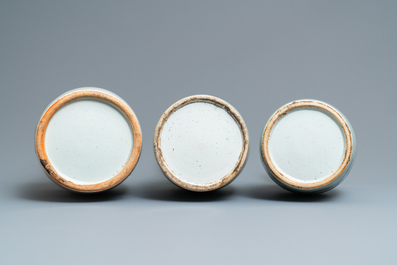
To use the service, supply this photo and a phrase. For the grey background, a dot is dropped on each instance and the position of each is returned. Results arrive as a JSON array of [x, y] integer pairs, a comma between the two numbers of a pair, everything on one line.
[[257, 55]]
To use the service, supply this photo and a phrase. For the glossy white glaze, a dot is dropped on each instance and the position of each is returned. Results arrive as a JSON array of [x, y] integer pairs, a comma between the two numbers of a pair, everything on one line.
[[201, 143], [88, 141], [307, 145]]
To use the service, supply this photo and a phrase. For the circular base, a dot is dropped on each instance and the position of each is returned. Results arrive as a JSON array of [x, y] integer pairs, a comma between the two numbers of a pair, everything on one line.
[[88, 140], [201, 143], [307, 146]]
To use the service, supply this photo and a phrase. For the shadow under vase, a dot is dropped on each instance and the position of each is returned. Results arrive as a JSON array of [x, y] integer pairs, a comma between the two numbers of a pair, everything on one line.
[[167, 191], [47, 191]]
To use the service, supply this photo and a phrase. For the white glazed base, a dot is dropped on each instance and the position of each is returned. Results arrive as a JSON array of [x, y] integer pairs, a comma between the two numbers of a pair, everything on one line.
[[307, 145], [201, 143], [88, 141]]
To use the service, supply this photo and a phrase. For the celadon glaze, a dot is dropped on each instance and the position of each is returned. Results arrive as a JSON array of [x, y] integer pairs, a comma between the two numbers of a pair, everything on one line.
[[88, 141], [307, 145]]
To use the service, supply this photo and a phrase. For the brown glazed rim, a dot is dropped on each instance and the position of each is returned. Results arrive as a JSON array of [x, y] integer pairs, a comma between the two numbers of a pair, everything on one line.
[[88, 94], [243, 155], [305, 104]]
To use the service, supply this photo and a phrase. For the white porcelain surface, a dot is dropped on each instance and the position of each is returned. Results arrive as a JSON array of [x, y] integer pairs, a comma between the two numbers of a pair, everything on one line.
[[88, 141], [201, 143], [88, 144], [307, 145]]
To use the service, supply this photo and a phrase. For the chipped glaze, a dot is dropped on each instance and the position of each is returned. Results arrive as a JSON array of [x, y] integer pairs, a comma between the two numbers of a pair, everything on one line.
[[308, 146], [88, 140], [201, 143]]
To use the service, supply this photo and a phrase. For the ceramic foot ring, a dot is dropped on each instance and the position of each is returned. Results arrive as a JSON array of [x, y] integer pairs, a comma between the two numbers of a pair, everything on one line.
[[88, 140], [308, 146], [201, 143]]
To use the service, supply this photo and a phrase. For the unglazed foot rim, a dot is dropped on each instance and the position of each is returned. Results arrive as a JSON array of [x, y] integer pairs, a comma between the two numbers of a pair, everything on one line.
[[307, 104], [88, 94], [241, 160]]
